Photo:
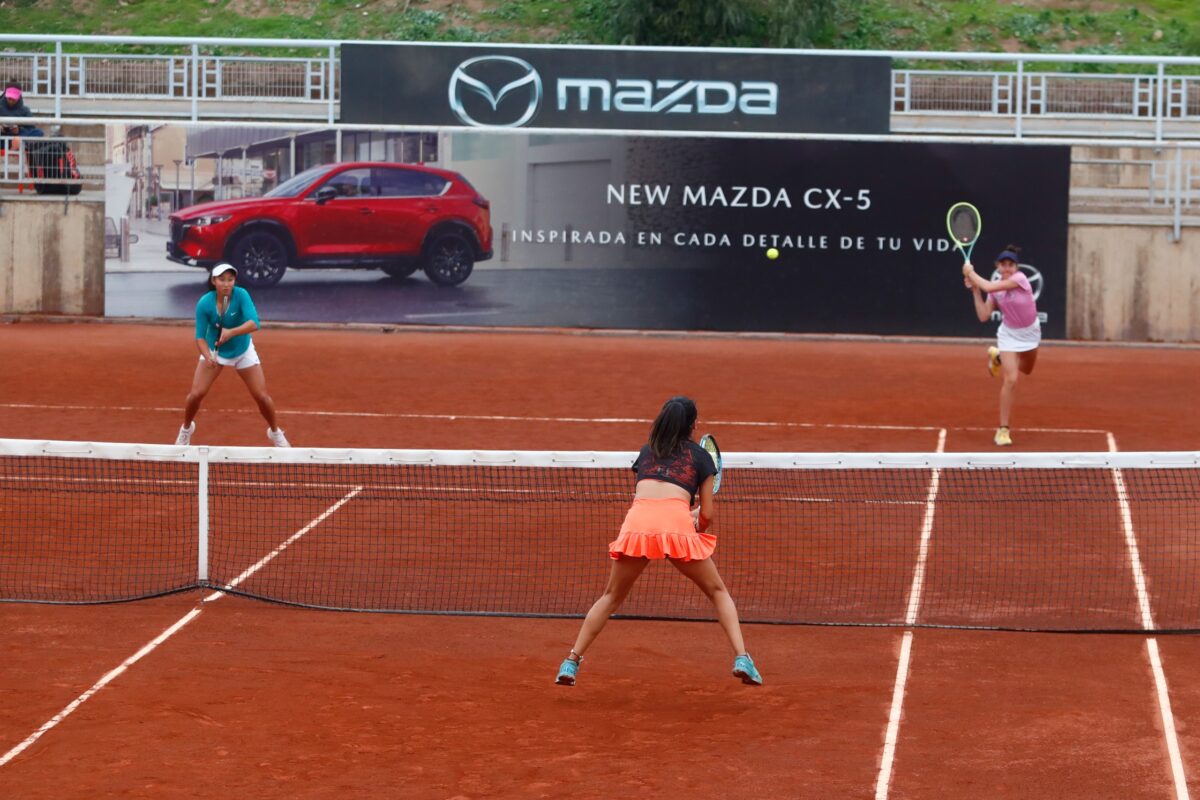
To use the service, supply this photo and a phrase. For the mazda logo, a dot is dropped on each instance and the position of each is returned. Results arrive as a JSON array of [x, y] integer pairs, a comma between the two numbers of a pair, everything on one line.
[[479, 85], [1031, 272]]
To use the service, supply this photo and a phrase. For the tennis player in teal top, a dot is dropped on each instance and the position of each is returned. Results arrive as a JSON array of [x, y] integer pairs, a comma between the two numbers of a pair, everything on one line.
[[225, 318]]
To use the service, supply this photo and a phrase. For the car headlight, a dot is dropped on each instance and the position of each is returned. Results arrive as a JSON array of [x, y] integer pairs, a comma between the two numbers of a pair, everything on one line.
[[209, 220]]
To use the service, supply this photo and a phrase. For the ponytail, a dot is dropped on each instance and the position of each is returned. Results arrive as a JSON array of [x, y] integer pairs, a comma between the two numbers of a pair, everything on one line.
[[673, 426]]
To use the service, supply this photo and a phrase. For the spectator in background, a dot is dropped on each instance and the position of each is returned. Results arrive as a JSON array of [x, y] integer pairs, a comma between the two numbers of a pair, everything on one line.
[[14, 107]]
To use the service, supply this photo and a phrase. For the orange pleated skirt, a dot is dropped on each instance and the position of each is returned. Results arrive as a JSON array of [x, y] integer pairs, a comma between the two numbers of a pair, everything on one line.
[[661, 528]]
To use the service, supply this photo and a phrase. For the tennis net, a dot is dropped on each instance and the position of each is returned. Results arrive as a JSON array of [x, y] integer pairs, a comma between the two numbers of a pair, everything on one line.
[[1027, 541]]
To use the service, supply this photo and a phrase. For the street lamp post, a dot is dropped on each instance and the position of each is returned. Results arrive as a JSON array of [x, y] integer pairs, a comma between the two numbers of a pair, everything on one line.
[[175, 205], [157, 184]]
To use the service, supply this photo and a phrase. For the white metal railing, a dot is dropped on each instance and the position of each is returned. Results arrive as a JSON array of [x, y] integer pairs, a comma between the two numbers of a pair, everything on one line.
[[1014, 95], [188, 80], [152, 77], [35, 161], [1159, 190], [1045, 94]]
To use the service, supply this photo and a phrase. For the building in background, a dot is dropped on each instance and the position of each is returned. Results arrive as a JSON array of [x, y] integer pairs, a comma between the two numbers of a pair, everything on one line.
[[164, 176], [249, 161]]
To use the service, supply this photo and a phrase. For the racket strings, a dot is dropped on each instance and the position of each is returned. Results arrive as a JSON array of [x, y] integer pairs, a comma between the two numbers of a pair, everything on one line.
[[709, 443], [965, 225]]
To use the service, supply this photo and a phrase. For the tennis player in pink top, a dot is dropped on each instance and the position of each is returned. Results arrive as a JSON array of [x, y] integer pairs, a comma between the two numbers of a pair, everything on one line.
[[1020, 332]]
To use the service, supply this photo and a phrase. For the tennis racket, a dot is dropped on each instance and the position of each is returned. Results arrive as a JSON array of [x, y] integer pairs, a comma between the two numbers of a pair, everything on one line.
[[217, 341], [964, 223], [217, 325], [709, 443]]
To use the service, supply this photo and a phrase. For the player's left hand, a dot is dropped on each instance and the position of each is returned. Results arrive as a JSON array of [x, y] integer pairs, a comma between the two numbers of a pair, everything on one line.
[[968, 268]]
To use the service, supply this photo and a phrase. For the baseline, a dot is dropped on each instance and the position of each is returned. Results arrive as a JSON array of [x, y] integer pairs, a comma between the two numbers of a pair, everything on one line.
[[531, 418]]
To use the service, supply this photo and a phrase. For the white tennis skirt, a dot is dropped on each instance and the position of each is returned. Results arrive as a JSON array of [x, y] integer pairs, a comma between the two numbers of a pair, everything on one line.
[[1018, 340]]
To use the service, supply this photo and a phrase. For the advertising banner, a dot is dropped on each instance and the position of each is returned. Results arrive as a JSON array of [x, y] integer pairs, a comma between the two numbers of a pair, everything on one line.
[[614, 88], [644, 232]]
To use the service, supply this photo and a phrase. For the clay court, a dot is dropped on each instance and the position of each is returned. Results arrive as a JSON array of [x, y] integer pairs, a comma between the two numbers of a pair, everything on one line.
[[254, 699]]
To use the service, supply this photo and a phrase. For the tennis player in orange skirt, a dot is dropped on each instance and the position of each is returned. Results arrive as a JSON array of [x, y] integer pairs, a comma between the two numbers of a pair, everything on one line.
[[671, 470]]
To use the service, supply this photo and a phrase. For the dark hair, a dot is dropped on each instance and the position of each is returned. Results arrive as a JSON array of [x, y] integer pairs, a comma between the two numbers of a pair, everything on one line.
[[673, 426], [1010, 253]]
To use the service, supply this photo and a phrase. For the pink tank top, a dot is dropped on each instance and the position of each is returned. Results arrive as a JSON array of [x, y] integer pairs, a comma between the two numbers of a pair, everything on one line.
[[1017, 304]]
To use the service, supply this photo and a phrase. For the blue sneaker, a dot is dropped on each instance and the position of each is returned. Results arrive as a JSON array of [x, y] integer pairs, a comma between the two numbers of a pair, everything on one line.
[[743, 667], [567, 672]]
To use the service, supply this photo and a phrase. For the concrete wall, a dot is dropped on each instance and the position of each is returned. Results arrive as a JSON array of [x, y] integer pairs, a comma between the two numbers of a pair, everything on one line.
[[51, 255], [1132, 283]]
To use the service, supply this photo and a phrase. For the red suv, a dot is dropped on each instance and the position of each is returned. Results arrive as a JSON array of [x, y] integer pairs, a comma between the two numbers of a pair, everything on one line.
[[394, 217]]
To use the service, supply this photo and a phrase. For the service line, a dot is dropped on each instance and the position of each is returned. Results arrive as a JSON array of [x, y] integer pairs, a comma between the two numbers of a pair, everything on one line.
[[532, 418]]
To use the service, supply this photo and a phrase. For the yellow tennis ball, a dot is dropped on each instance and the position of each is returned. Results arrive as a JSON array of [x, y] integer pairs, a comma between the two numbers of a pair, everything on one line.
[[772, 254]]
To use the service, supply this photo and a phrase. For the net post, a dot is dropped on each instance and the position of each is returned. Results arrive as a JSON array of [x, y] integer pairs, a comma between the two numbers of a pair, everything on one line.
[[202, 517]]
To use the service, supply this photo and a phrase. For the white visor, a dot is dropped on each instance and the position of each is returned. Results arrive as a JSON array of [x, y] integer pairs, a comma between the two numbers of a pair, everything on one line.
[[222, 268]]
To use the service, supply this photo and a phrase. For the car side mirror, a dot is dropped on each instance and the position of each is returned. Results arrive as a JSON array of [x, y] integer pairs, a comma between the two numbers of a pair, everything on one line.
[[325, 194]]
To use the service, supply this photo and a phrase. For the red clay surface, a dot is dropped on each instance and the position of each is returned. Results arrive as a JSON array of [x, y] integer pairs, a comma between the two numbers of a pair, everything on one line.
[[1031, 715], [252, 699]]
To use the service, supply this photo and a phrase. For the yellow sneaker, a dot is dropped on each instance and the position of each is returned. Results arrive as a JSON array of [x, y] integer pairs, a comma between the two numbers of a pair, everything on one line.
[[1002, 438], [994, 362]]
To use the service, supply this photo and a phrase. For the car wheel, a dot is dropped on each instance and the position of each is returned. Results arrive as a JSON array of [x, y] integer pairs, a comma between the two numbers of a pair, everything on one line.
[[449, 259], [261, 259], [400, 269]]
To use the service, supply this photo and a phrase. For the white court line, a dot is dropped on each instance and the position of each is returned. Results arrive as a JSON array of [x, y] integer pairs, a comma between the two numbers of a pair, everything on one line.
[[100, 684], [1036, 430], [1168, 719], [1143, 598], [150, 646], [519, 418], [324, 515], [892, 735], [443, 314]]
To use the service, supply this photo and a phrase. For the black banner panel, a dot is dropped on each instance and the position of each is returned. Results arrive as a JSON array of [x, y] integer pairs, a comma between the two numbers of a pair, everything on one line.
[[653, 232], [613, 88], [658, 233]]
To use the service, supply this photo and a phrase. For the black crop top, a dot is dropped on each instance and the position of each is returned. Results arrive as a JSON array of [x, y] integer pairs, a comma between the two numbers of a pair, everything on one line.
[[688, 467]]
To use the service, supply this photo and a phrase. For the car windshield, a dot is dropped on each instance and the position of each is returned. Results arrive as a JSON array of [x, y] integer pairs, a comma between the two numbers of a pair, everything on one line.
[[298, 183]]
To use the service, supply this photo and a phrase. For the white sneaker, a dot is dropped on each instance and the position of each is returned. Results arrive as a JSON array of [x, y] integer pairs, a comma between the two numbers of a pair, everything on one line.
[[185, 434], [277, 438]]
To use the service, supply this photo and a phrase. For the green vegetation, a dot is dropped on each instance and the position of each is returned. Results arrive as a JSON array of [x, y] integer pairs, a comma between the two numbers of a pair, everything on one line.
[[746, 23], [1150, 27], [1155, 27]]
